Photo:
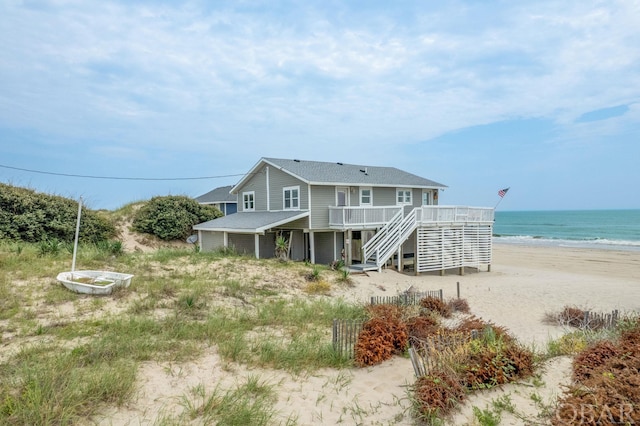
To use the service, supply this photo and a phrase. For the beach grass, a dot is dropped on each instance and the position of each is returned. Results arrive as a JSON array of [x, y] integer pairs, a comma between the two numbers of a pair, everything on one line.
[[180, 303]]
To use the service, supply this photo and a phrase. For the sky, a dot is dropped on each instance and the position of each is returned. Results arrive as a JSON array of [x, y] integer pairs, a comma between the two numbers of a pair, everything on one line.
[[542, 97]]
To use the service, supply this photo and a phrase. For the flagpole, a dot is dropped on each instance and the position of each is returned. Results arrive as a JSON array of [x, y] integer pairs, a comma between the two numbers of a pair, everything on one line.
[[501, 193]]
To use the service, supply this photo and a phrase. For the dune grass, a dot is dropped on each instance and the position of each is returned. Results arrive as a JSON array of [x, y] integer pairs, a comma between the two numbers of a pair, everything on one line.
[[181, 302]]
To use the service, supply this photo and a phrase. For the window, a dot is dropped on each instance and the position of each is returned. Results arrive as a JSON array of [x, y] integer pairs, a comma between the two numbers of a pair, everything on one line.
[[426, 198], [291, 198], [403, 196], [248, 201], [365, 196]]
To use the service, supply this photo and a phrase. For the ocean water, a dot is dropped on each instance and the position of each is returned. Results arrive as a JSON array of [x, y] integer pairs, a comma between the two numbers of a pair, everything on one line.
[[605, 229]]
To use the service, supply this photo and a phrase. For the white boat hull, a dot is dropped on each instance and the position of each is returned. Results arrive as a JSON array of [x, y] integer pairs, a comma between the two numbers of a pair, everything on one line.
[[94, 282]]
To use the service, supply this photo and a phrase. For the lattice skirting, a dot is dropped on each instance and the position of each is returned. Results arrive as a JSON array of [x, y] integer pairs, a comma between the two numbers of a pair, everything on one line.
[[445, 247]]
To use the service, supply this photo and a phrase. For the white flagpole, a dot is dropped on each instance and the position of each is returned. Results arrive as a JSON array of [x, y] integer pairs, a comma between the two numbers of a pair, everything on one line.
[[75, 243]]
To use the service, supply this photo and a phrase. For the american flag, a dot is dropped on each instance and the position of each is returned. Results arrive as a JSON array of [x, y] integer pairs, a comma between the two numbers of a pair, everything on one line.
[[503, 192]]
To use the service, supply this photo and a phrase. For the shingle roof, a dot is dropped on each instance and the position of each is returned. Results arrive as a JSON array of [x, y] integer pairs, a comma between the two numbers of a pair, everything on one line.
[[218, 195], [251, 222], [318, 172]]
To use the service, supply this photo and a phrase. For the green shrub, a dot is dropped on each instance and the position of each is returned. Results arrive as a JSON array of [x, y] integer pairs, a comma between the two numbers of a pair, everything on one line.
[[172, 217], [26, 215]]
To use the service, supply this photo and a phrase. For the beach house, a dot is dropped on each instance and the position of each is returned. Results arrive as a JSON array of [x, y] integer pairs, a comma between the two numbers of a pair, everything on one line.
[[222, 198], [367, 216]]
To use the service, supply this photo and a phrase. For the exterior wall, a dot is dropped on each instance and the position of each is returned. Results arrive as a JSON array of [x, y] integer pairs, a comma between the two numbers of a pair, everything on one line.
[[324, 247], [298, 249], [384, 196], [279, 180], [297, 224], [257, 183], [211, 240], [321, 198], [230, 208], [242, 243]]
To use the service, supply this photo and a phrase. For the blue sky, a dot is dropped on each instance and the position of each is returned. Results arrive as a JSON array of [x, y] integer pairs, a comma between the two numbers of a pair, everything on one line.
[[539, 96]]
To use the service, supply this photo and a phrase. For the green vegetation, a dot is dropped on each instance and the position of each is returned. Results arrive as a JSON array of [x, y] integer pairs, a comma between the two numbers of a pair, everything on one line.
[[172, 217], [180, 303], [26, 215]]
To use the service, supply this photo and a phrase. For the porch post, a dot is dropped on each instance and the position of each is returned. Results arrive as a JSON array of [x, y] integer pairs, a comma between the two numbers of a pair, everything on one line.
[[312, 247], [225, 239], [335, 245], [347, 248], [256, 239]]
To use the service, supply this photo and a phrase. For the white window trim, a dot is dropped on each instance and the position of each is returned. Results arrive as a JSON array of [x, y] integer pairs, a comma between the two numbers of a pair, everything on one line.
[[366, 188], [284, 197], [245, 201], [404, 191], [429, 195]]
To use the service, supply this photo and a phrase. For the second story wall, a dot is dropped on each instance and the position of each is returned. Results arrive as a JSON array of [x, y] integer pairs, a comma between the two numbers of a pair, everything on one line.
[[278, 180], [384, 196], [321, 198], [257, 185]]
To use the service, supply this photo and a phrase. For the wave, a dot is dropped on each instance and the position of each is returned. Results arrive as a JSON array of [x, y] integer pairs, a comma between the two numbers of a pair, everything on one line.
[[583, 243]]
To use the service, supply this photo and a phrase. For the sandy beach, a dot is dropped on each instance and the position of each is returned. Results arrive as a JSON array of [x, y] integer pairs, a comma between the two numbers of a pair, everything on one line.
[[523, 285]]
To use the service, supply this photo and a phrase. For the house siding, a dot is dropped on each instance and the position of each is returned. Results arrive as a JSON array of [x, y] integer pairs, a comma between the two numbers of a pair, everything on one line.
[[321, 198], [257, 183], [384, 196], [242, 243], [211, 240], [324, 247], [279, 180]]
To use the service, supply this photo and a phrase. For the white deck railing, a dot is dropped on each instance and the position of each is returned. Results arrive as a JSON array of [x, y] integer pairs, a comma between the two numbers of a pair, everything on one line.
[[362, 217], [454, 214]]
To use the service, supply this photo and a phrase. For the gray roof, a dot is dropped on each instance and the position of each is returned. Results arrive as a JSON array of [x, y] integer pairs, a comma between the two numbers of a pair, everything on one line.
[[218, 195], [251, 222], [318, 172]]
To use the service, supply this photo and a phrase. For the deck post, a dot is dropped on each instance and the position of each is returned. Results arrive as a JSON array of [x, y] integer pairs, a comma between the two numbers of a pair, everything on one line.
[[225, 239], [256, 242], [312, 247]]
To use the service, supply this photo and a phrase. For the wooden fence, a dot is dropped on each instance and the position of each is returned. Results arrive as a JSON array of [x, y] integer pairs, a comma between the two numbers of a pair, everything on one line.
[[435, 351], [406, 298], [345, 336], [345, 332], [598, 321]]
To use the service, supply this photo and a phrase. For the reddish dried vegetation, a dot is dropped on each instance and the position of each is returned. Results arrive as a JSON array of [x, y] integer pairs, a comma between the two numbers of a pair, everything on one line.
[[473, 323], [436, 305], [438, 393], [493, 359], [607, 378], [422, 326], [497, 364], [571, 316], [383, 335], [459, 305]]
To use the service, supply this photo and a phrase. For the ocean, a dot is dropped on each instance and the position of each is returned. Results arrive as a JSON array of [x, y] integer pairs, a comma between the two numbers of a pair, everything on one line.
[[604, 229]]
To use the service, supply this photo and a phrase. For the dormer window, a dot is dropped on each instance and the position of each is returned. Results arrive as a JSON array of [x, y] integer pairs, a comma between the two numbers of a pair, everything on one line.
[[403, 196], [248, 201], [291, 198]]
